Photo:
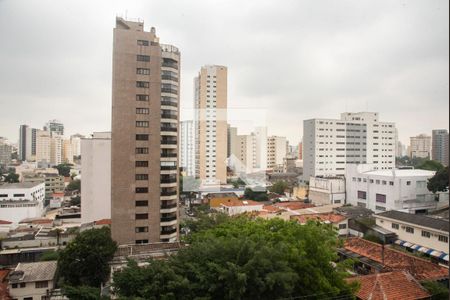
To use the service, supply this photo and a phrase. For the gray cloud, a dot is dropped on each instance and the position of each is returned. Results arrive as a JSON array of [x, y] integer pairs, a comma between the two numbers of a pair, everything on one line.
[[297, 59]]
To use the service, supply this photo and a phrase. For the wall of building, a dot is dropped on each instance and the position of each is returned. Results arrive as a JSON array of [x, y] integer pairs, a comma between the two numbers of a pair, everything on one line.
[[323, 191]]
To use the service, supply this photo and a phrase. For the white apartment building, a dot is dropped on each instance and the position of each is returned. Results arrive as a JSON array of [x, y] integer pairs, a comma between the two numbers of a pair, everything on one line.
[[384, 190], [67, 154], [20, 201], [187, 153], [277, 147], [420, 146], [5, 152], [76, 144], [423, 233], [43, 146], [96, 172], [330, 145], [261, 143], [56, 149], [328, 190], [236, 207]]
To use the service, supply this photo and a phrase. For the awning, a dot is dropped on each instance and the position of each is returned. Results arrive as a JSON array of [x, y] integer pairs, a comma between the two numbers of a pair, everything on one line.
[[436, 253], [443, 255], [423, 249], [415, 247], [406, 244], [398, 242], [445, 258]]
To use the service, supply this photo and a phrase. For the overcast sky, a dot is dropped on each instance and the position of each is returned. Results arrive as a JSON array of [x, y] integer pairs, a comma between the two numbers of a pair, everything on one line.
[[294, 59]]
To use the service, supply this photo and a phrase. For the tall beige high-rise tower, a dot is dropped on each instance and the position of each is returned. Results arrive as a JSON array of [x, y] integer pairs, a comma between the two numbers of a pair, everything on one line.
[[211, 124], [144, 143]]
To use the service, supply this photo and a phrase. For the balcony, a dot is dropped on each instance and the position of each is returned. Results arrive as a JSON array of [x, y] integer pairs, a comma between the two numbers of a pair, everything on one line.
[[168, 231], [169, 155], [170, 64], [168, 193], [170, 91], [168, 205], [169, 77], [169, 116], [167, 128], [168, 180], [168, 168], [169, 103], [166, 142], [168, 219]]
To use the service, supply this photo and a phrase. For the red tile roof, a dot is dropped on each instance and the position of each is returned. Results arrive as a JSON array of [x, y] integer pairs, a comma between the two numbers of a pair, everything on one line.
[[397, 285], [420, 268], [103, 222], [3, 222], [325, 217], [271, 208], [293, 205], [4, 293]]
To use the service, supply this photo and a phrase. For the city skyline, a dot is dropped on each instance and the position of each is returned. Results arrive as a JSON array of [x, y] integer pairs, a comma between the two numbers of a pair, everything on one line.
[[329, 66]]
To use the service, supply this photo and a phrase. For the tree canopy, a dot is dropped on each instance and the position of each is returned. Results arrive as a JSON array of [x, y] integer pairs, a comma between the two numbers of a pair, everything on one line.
[[255, 195], [85, 259], [64, 169], [243, 259], [279, 187], [439, 182], [431, 165], [11, 177], [74, 185]]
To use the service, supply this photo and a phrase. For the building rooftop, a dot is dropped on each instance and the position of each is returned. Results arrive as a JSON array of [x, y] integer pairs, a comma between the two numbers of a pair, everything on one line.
[[324, 218], [36, 271], [235, 202], [353, 211], [293, 205], [395, 260], [421, 220], [401, 173], [391, 285], [19, 185]]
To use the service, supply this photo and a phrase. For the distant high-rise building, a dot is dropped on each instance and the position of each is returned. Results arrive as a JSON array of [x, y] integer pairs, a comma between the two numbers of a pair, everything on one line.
[[261, 144], [144, 142], [187, 155], [211, 124], [96, 183], [43, 146], [356, 138], [56, 149], [67, 153], [440, 146], [276, 152], [420, 146], [54, 127], [5, 152], [27, 143], [300, 151]]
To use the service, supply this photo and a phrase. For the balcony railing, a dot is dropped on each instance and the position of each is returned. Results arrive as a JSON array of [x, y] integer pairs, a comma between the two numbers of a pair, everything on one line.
[[170, 91], [169, 193], [168, 219], [169, 231], [169, 116], [165, 142], [168, 168], [169, 103], [170, 65], [169, 155], [172, 129], [168, 180], [169, 77], [167, 206]]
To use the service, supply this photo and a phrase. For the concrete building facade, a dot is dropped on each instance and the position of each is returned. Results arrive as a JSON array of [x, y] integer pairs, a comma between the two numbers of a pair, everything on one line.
[[144, 141], [330, 145], [27, 143], [5, 152], [43, 146], [420, 146], [440, 146], [384, 190], [96, 172], [210, 103], [187, 153], [327, 190], [276, 152]]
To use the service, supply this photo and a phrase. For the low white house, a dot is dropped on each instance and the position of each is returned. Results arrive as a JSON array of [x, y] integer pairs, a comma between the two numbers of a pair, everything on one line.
[[20, 201], [235, 207], [383, 190], [418, 232], [327, 190], [32, 280]]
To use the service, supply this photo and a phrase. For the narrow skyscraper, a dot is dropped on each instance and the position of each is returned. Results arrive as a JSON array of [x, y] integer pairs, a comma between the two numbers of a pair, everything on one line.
[[144, 144], [211, 124], [440, 146]]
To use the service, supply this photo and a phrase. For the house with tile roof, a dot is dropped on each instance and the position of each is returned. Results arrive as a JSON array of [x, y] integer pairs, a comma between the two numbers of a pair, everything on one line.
[[339, 222]]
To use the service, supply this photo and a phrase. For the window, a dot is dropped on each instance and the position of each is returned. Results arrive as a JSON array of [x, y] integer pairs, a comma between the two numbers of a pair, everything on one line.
[[426, 234], [14, 285], [142, 124], [142, 229], [141, 176], [142, 97], [143, 58], [142, 203], [141, 137], [380, 198], [19, 195], [141, 163], [408, 183], [391, 183], [141, 150], [142, 84], [142, 111], [342, 226], [384, 182], [362, 195], [41, 284], [443, 238], [395, 226], [3, 195], [143, 71], [377, 181], [22, 285], [141, 241], [409, 229], [142, 42], [380, 208], [421, 184], [141, 190], [141, 216]]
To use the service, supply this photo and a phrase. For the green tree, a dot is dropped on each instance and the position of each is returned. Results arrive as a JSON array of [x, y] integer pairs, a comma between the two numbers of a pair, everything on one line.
[[279, 187], [255, 195], [85, 259], [439, 182], [437, 290], [244, 259], [82, 292], [64, 169], [75, 201], [74, 185], [431, 165], [204, 221], [49, 255], [11, 177]]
